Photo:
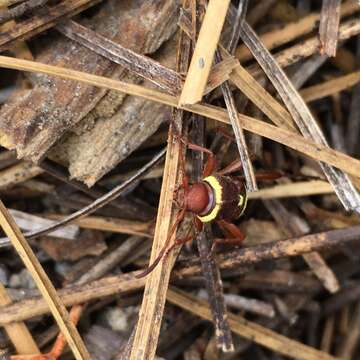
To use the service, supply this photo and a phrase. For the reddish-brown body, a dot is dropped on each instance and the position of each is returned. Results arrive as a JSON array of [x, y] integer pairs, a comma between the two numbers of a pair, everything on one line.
[[217, 197]]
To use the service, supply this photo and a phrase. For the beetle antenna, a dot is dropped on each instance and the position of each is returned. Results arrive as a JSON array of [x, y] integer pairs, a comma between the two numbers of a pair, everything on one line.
[[164, 251]]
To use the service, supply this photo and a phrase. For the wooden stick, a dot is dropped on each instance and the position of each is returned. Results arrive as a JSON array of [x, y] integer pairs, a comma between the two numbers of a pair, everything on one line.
[[18, 333], [249, 329], [329, 26], [279, 249], [203, 56], [43, 283], [288, 138]]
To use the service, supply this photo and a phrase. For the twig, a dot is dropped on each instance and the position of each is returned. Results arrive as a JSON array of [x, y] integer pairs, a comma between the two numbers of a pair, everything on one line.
[[210, 270], [329, 26], [250, 330], [41, 22], [316, 151], [42, 281], [17, 331], [61, 174], [105, 199], [214, 285], [203, 56], [279, 249], [301, 115]]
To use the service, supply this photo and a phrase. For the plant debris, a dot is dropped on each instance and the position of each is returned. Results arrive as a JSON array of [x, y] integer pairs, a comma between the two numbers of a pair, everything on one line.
[[113, 112]]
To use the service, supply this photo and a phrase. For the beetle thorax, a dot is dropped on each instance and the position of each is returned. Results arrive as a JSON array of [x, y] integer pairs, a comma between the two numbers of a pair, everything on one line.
[[199, 198]]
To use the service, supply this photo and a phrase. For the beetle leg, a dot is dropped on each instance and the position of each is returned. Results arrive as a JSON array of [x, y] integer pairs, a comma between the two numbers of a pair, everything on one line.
[[210, 164], [234, 236], [223, 131], [232, 167], [164, 251]]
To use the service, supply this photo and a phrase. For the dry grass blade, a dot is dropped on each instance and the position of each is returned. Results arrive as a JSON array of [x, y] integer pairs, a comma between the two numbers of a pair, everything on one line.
[[343, 187], [152, 307], [301, 188], [114, 225], [316, 151], [262, 99], [230, 102], [292, 225], [310, 46], [330, 87], [294, 30], [306, 70], [141, 65], [250, 330], [42, 22], [239, 136], [203, 56], [42, 281], [17, 331], [329, 26]]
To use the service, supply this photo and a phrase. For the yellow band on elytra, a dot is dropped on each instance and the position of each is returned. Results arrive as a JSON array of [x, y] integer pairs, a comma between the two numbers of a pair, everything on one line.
[[217, 189], [244, 203]]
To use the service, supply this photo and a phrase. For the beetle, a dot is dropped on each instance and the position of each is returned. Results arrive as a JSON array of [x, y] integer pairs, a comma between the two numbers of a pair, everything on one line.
[[218, 197]]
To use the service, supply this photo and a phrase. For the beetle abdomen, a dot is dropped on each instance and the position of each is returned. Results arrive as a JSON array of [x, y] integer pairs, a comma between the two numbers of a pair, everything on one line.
[[229, 198]]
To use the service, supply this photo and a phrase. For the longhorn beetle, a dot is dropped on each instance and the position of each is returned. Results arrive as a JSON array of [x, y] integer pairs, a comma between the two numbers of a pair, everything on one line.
[[218, 197]]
